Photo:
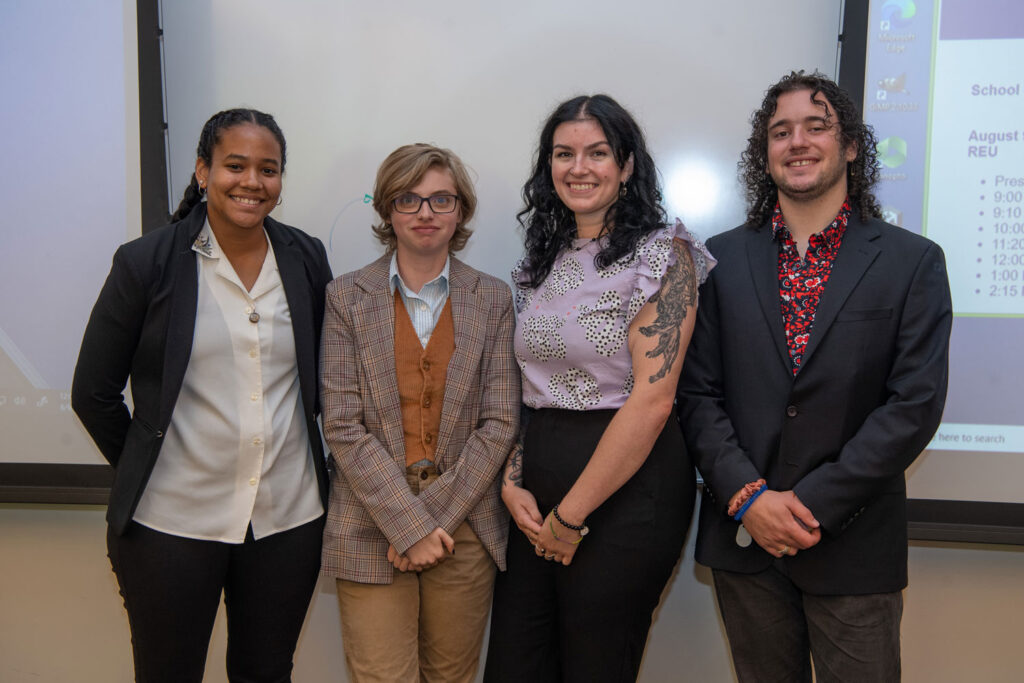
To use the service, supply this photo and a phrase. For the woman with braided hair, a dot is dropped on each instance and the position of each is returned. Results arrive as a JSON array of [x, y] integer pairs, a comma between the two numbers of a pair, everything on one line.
[[219, 466]]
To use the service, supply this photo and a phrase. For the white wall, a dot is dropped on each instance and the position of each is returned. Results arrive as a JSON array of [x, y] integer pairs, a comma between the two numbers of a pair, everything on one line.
[[61, 619]]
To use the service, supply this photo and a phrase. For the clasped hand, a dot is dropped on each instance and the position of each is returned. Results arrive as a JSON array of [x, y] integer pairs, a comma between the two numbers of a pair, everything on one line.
[[525, 513], [425, 553], [781, 524], [551, 548]]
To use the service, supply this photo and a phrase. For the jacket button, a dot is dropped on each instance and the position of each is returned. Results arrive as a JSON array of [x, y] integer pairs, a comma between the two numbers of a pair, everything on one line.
[[159, 433], [426, 402], [424, 475], [426, 364], [791, 411], [428, 438]]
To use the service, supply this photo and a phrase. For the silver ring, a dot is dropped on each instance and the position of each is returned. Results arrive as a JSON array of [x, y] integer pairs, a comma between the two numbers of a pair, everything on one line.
[[549, 557], [785, 550], [540, 550]]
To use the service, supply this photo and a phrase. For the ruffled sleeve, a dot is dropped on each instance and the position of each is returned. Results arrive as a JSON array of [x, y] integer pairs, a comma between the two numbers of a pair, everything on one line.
[[523, 293], [656, 256]]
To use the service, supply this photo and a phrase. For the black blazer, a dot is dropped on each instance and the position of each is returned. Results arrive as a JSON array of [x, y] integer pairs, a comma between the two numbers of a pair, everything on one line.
[[866, 402], [142, 327]]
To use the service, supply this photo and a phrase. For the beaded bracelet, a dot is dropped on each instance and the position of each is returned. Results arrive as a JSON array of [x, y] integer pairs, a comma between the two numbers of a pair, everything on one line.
[[744, 495], [581, 528], [743, 508]]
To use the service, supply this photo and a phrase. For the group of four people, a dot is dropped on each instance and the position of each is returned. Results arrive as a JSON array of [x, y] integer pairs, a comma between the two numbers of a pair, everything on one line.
[[814, 373]]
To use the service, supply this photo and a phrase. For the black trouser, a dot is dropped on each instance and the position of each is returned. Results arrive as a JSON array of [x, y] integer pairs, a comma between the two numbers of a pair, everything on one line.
[[172, 585], [589, 621], [774, 628]]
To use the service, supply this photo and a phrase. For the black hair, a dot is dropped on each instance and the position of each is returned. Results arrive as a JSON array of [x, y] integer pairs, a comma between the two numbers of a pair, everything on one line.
[[209, 138], [861, 173], [550, 226]]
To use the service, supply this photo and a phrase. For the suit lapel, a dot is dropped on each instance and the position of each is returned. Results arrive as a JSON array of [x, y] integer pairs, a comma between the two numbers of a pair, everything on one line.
[[763, 257], [292, 270], [181, 324], [373, 320], [469, 320], [855, 256]]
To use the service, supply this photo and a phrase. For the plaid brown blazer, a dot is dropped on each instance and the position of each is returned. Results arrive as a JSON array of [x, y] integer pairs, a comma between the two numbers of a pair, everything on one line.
[[370, 502]]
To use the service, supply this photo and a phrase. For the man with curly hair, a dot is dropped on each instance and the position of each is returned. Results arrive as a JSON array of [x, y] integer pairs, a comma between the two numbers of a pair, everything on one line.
[[816, 374]]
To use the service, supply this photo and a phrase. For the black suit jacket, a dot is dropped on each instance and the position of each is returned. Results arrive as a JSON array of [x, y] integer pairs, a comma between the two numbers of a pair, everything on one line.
[[866, 402], [142, 327]]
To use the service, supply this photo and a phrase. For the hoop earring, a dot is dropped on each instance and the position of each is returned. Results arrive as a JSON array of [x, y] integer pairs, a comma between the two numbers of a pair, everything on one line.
[[202, 189], [280, 200], [623, 190]]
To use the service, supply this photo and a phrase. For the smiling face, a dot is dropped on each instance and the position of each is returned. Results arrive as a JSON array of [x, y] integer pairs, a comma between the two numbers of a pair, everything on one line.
[[243, 180], [585, 174], [426, 234], [806, 158]]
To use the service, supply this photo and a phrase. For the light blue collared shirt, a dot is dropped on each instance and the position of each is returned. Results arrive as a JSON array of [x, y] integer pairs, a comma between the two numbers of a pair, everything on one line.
[[425, 306]]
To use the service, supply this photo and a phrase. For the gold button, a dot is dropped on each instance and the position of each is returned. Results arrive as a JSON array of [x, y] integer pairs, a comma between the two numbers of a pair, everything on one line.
[[257, 441], [252, 482], [254, 396], [252, 353]]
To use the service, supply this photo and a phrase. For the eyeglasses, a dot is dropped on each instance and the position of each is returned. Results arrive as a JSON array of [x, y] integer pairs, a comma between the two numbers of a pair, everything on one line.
[[412, 203]]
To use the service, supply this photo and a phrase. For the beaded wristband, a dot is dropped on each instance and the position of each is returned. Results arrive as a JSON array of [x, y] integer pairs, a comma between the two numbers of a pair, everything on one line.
[[581, 528], [745, 493], [575, 527], [743, 508]]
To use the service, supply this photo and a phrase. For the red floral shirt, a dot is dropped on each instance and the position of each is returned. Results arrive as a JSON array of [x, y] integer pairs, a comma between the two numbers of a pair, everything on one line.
[[801, 282]]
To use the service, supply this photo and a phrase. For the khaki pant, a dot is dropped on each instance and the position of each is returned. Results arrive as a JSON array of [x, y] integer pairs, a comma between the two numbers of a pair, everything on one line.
[[425, 626]]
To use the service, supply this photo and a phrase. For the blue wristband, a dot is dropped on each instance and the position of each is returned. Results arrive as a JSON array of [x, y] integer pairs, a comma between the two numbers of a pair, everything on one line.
[[743, 508]]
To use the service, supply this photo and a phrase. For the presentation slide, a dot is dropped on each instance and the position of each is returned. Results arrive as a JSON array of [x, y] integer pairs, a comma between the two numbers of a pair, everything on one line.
[[943, 93], [70, 197]]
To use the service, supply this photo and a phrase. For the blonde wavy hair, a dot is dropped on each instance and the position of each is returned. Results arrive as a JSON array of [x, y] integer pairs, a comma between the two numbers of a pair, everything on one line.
[[404, 169]]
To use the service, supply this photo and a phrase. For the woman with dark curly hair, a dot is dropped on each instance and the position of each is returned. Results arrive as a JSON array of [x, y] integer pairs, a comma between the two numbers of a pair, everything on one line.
[[599, 486]]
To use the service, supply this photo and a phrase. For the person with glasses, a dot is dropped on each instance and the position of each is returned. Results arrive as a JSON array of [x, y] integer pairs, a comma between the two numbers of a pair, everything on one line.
[[421, 407]]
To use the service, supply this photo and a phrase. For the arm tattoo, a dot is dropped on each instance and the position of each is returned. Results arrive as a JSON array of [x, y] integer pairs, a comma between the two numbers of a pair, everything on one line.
[[514, 464], [678, 294], [514, 467]]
